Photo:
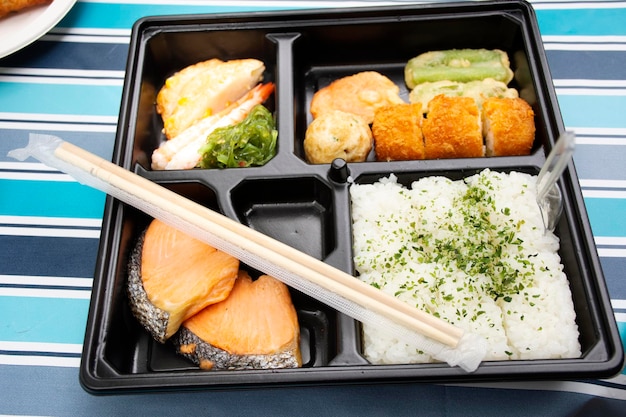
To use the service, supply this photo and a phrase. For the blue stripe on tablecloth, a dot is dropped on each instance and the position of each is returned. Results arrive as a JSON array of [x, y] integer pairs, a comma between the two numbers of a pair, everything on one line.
[[604, 218], [600, 161], [622, 331], [41, 319], [99, 143], [615, 267], [579, 64], [49, 256], [33, 96], [55, 54], [581, 21], [593, 110], [41, 198]]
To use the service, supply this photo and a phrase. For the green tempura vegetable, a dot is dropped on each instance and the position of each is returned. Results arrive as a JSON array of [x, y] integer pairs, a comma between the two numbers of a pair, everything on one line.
[[249, 143], [479, 90], [461, 65]]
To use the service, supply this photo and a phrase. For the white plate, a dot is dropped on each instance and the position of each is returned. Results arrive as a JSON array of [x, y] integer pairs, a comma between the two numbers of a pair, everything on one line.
[[18, 30]]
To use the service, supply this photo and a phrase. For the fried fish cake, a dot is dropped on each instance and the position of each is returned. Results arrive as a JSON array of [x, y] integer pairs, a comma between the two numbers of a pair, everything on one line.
[[452, 128], [397, 131], [508, 126], [204, 89], [360, 94]]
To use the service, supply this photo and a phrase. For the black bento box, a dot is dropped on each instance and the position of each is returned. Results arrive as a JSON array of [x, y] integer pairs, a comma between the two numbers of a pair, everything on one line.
[[307, 206]]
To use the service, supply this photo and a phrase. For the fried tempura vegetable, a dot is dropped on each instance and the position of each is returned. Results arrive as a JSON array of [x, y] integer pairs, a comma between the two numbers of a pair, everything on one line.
[[508, 126], [337, 134], [397, 132], [461, 65], [479, 90], [359, 94], [452, 128]]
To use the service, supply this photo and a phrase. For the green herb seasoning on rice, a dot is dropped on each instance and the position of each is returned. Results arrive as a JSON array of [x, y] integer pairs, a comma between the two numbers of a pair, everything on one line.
[[471, 252]]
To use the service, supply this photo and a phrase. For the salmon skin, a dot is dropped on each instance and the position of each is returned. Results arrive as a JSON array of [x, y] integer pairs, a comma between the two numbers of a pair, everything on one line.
[[172, 276], [256, 327], [152, 318]]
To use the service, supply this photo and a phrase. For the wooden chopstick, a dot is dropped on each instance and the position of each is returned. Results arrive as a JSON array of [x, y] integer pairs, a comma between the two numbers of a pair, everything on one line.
[[262, 246]]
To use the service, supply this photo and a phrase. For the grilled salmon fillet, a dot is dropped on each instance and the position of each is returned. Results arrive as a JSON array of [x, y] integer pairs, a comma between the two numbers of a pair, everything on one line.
[[8, 6], [508, 126], [204, 89], [172, 276], [452, 128], [256, 327]]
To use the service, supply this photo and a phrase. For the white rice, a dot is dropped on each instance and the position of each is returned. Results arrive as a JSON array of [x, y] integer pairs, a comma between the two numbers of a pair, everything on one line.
[[444, 246]]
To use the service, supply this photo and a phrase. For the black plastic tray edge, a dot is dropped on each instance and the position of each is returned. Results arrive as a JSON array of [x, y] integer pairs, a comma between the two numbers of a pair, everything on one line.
[[96, 385]]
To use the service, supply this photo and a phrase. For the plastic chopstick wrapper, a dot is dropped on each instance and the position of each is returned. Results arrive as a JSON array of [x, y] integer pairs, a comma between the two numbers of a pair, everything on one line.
[[321, 281]]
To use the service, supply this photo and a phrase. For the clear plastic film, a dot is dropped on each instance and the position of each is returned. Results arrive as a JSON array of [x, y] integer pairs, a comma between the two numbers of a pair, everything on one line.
[[549, 197], [467, 354]]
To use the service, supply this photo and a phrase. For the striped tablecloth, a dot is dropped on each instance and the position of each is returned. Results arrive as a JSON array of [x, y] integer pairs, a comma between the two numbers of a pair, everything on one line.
[[69, 84]]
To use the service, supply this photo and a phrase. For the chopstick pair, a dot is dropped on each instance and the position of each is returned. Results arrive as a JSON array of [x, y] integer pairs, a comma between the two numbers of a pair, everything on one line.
[[323, 282]]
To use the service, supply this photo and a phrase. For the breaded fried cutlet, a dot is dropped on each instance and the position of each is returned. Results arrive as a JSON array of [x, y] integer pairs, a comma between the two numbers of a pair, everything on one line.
[[204, 89], [397, 131], [359, 94], [9, 6], [452, 128], [508, 126]]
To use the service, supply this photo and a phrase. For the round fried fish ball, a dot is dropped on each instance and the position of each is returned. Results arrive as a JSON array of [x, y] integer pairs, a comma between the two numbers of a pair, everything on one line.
[[337, 134]]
